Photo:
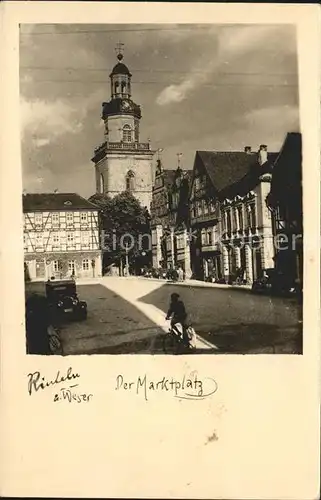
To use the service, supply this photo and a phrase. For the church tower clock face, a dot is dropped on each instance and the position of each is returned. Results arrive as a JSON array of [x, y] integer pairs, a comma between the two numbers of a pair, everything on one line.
[[126, 106], [122, 152]]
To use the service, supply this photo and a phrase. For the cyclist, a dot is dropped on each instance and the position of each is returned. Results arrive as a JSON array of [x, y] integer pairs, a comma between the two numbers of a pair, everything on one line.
[[177, 314]]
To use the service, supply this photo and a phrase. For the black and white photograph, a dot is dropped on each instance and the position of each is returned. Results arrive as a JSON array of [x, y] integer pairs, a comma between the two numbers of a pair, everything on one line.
[[162, 189]]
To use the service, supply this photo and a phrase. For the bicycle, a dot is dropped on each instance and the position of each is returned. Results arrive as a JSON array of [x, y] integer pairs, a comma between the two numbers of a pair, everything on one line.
[[55, 344], [173, 342]]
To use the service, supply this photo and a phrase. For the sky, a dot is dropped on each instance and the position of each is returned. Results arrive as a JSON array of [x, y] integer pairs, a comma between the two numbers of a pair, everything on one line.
[[201, 87]]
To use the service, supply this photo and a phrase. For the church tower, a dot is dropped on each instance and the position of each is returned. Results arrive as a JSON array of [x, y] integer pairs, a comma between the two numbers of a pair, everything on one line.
[[122, 162]]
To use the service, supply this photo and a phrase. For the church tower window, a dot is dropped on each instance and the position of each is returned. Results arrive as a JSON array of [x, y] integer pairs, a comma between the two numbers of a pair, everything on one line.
[[130, 181], [101, 186], [127, 133]]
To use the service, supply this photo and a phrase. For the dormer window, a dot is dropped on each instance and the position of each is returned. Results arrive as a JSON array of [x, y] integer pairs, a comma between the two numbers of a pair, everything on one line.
[[127, 133]]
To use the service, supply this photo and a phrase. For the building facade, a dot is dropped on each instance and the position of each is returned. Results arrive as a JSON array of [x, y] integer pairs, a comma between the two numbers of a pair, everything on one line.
[[285, 203], [160, 214], [230, 222], [169, 213], [122, 161], [177, 236], [61, 236]]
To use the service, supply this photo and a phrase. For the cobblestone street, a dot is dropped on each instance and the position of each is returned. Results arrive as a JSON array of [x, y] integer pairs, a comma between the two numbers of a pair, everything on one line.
[[128, 316]]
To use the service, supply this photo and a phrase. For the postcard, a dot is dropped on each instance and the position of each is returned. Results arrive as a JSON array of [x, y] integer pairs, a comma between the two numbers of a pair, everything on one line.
[[160, 251]]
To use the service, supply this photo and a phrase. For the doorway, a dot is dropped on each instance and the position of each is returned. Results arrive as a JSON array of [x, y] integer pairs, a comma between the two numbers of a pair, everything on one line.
[[40, 268]]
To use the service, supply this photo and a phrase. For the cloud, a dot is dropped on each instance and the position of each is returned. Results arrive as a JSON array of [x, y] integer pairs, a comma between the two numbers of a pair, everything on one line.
[[231, 43], [46, 121], [285, 115], [177, 93]]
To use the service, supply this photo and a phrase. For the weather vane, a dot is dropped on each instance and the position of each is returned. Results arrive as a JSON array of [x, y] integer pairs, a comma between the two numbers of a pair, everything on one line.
[[119, 50], [179, 155]]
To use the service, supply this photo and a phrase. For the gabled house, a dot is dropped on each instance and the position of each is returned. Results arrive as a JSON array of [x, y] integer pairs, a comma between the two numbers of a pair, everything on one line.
[[230, 223], [61, 236]]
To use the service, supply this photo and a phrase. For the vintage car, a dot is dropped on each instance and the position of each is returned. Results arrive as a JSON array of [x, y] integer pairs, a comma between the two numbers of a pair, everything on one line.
[[274, 283], [63, 300]]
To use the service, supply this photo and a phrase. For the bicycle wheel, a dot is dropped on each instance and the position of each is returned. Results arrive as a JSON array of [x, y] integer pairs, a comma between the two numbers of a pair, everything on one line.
[[55, 344]]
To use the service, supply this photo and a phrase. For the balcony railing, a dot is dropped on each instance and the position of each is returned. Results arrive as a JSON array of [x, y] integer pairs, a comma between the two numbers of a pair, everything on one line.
[[205, 218], [213, 246], [132, 146]]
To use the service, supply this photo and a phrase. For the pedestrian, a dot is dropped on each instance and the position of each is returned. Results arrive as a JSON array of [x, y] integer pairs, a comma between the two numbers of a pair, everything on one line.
[[177, 314], [174, 274]]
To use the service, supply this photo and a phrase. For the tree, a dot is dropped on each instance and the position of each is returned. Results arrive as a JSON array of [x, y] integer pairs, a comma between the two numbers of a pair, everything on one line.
[[125, 230]]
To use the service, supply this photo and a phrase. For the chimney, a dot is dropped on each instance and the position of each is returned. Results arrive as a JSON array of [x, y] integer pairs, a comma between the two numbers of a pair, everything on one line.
[[262, 154], [248, 149]]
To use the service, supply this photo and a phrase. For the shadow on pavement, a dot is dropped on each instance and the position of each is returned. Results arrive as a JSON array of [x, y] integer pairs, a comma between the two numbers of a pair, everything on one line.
[[255, 338], [237, 323], [113, 326]]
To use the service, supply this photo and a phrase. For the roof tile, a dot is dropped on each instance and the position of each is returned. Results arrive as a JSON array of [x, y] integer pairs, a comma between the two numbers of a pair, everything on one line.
[[33, 202]]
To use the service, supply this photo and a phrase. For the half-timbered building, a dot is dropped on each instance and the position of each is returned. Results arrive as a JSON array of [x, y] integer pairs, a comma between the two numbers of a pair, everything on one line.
[[61, 236]]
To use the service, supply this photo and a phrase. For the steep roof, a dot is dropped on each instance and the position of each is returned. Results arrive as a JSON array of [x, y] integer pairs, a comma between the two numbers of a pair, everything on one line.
[[287, 171], [227, 169], [33, 202]]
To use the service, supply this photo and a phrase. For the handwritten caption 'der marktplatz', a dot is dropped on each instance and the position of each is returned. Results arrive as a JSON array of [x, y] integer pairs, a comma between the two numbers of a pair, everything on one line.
[[189, 387], [69, 393]]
